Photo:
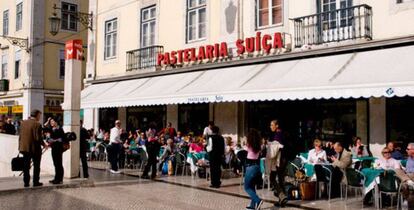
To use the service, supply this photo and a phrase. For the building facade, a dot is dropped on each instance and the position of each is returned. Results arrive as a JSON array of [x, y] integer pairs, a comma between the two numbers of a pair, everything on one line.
[[33, 60], [331, 69]]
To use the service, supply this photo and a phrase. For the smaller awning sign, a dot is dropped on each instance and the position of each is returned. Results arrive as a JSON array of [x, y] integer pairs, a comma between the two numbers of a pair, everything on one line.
[[17, 109], [4, 109], [53, 109], [73, 50]]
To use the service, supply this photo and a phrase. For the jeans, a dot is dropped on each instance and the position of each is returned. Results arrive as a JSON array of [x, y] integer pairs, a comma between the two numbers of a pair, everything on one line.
[[250, 180]]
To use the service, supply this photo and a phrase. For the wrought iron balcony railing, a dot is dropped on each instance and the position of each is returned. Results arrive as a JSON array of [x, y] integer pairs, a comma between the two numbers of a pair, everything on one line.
[[342, 24], [143, 58]]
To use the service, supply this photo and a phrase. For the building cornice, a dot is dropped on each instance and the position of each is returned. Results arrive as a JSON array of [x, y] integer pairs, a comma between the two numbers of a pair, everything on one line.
[[297, 54]]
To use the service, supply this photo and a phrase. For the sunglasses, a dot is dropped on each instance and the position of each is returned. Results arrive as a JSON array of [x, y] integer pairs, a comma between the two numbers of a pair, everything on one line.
[[386, 152]]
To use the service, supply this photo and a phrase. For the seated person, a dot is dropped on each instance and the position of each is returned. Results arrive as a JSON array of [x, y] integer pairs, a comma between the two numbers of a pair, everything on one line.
[[142, 139], [329, 148], [386, 162], [317, 155], [407, 177], [395, 152], [358, 149], [196, 153], [168, 153], [341, 160], [179, 139], [197, 145]]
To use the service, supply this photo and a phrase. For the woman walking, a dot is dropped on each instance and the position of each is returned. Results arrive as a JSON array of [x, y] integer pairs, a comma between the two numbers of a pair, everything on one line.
[[253, 168]]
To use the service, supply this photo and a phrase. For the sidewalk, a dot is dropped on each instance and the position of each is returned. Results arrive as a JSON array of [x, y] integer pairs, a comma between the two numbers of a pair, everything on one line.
[[97, 178], [232, 187]]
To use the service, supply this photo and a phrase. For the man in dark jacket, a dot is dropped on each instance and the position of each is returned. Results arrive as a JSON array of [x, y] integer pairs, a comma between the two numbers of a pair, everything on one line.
[[9, 127], [30, 142], [84, 145], [153, 148], [215, 147]]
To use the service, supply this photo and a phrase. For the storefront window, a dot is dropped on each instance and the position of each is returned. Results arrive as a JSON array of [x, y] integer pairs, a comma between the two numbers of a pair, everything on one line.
[[400, 124], [193, 118], [142, 117], [303, 121], [107, 117]]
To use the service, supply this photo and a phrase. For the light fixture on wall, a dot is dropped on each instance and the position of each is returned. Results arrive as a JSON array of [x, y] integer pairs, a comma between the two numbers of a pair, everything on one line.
[[85, 18]]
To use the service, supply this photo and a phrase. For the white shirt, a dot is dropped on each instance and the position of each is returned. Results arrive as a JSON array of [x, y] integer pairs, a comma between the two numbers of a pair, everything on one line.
[[115, 136], [207, 131], [315, 157], [389, 164]]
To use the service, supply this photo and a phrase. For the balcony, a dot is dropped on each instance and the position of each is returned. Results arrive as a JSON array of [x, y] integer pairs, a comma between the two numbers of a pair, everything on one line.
[[143, 58], [334, 26]]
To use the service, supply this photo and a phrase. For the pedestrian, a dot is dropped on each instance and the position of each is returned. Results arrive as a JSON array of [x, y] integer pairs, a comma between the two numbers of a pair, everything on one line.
[[252, 165], [84, 147], [116, 146], [55, 140], [153, 148], [277, 176], [30, 145], [215, 147], [9, 128]]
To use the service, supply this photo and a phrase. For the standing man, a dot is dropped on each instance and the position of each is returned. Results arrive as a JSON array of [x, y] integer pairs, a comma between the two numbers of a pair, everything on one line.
[[30, 142], [215, 147], [84, 145], [287, 152], [116, 146], [153, 148]]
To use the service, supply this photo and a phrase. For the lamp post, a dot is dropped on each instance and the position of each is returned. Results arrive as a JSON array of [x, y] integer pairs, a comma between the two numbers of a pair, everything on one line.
[[85, 18]]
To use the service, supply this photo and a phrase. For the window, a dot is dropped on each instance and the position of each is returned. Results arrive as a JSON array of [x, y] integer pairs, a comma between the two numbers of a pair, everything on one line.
[[110, 38], [148, 26], [269, 12], [6, 22], [4, 66], [62, 64], [19, 16], [329, 19], [196, 19], [69, 21], [17, 64]]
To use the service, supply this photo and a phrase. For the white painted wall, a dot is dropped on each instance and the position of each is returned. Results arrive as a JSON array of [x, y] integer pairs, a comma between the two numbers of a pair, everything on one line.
[[9, 150], [226, 118]]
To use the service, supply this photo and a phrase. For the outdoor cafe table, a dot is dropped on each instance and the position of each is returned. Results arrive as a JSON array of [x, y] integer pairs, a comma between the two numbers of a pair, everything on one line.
[[372, 180]]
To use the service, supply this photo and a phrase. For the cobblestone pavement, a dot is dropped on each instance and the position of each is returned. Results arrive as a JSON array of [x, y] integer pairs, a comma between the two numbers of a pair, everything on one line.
[[150, 195]]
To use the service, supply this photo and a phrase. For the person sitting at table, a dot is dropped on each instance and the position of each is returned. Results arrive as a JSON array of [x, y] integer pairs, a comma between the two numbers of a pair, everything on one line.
[[196, 153], [142, 139], [197, 145], [329, 148], [358, 149], [387, 162], [168, 153], [340, 161], [395, 152], [317, 155], [407, 177]]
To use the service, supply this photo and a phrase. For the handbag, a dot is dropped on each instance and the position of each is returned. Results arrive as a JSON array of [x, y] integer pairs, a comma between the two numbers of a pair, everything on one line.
[[307, 190], [17, 163]]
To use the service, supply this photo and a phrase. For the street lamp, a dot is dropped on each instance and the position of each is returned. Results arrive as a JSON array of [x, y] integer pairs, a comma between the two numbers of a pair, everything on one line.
[[85, 18]]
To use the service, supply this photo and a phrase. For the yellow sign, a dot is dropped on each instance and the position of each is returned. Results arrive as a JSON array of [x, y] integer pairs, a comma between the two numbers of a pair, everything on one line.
[[4, 109], [17, 109], [53, 109]]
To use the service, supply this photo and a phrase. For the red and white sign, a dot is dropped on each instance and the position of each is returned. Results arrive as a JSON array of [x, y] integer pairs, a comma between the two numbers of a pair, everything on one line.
[[257, 43], [74, 50]]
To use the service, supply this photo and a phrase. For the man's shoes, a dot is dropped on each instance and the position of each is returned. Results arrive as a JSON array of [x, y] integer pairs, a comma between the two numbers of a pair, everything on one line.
[[145, 177], [26, 185], [259, 205], [115, 172], [215, 186], [249, 208], [39, 184], [57, 182]]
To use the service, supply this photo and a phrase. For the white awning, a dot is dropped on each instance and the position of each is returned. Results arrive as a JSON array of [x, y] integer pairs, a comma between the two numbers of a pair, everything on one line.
[[387, 72]]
